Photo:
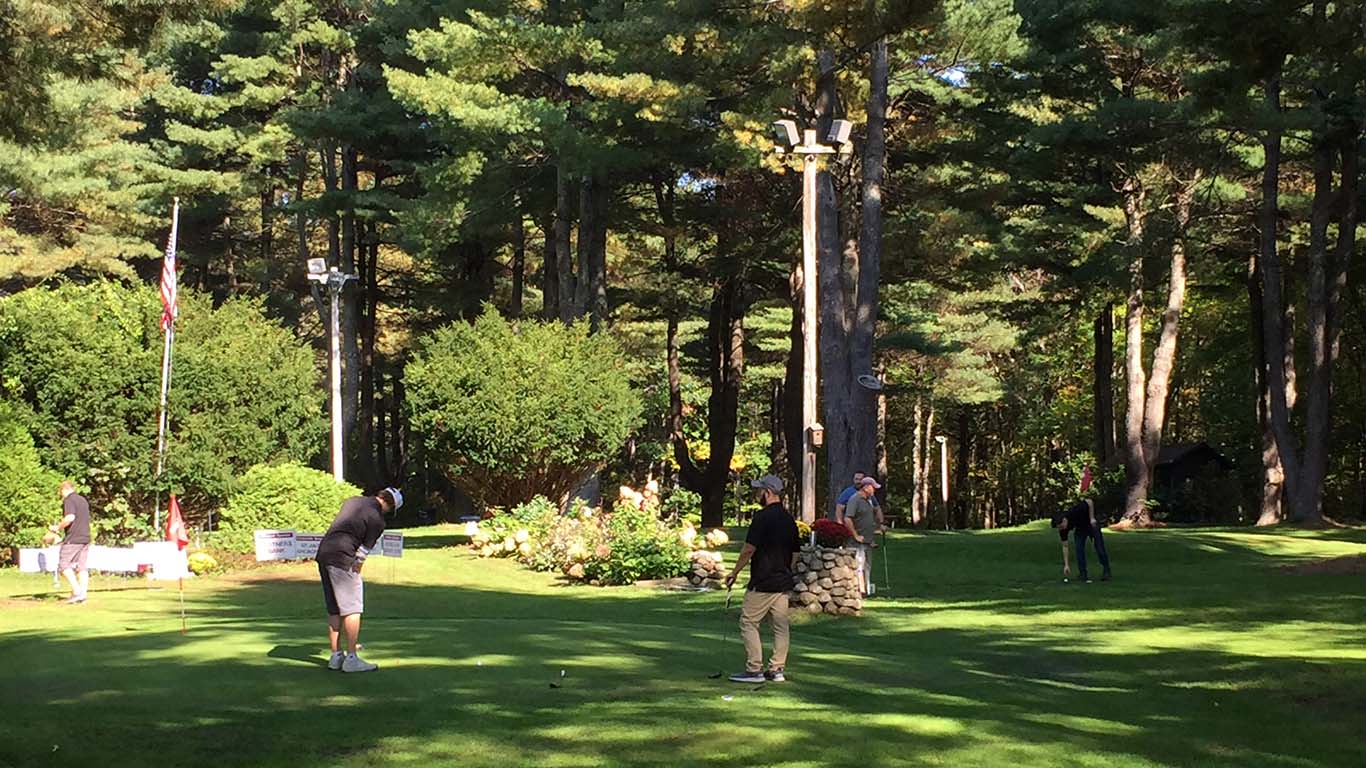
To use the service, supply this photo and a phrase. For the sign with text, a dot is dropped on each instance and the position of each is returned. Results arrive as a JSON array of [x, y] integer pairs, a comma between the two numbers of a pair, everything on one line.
[[391, 545], [306, 545], [275, 545]]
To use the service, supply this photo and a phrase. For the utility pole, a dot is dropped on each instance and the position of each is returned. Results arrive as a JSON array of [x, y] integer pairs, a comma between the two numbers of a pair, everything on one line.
[[810, 148], [335, 280], [944, 475]]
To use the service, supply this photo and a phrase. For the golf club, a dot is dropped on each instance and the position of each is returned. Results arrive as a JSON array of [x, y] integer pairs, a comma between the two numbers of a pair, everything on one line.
[[723, 636], [886, 566]]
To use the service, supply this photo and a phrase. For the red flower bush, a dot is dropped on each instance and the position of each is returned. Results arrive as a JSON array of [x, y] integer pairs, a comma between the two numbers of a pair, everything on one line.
[[829, 533]]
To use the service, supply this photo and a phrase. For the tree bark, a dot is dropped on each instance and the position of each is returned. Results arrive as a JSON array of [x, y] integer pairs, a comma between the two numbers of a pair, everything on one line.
[[1103, 391], [864, 412], [835, 323], [1135, 463], [927, 469], [369, 289], [564, 212], [550, 272], [518, 264], [962, 497], [792, 381], [917, 463]]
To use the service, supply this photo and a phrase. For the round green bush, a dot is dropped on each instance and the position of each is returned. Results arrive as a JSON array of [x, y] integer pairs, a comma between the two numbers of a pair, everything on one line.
[[283, 497], [510, 413]]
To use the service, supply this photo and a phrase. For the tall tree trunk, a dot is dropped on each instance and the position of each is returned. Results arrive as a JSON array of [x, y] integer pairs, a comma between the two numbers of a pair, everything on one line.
[[592, 286], [917, 463], [369, 288], [1274, 335], [863, 416], [266, 238], [518, 264], [792, 380], [927, 469], [962, 497], [834, 326], [550, 272], [1271, 507], [229, 256], [881, 453], [1103, 390], [1136, 465], [564, 212]]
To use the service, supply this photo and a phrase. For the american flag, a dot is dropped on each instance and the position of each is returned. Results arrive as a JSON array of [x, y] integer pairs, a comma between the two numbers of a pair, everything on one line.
[[169, 308]]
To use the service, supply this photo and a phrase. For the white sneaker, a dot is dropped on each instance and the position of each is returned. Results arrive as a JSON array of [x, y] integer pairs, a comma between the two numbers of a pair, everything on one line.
[[335, 662], [354, 663]]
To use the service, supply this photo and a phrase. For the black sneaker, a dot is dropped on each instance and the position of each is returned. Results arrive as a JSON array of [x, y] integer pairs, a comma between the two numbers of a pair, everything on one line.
[[748, 677], [1105, 576], [775, 676]]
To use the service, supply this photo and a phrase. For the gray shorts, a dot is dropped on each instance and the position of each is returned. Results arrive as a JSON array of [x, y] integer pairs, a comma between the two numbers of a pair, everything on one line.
[[72, 557], [343, 591]]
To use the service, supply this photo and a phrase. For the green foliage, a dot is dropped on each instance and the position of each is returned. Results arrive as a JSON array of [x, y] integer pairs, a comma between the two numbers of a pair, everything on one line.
[[510, 412], [28, 488], [82, 363], [279, 496], [620, 547], [203, 563]]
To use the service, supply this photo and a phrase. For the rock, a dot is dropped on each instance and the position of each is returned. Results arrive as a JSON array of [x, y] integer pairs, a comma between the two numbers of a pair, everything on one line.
[[813, 608], [808, 598], [575, 571], [826, 598], [832, 609], [838, 591], [811, 577], [846, 611], [829, 557], [826, 582], [841, 573]]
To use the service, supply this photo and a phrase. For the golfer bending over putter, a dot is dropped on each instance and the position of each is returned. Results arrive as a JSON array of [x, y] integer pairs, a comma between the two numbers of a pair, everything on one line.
[[770, 551], [341, 555], [1080, 518]]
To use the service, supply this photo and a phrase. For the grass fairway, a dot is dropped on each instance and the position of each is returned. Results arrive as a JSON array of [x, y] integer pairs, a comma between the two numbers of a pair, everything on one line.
[[1204, 652]]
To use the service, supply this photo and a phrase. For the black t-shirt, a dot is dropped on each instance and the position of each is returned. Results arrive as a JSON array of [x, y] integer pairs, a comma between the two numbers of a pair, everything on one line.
[[359, 524], [79, 530], [1078, 519], [774, 536]]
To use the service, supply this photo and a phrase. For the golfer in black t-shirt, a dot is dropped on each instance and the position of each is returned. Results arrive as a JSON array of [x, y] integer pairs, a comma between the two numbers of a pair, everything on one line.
[[770, 551], [341, 555], [75, 548], [1080, 520]]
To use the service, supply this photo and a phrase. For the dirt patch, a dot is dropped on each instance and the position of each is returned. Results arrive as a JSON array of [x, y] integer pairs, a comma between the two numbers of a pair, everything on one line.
[[1347, 565]]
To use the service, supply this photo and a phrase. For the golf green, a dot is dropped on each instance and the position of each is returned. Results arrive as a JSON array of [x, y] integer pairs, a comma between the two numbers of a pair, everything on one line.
[[1210, 648]]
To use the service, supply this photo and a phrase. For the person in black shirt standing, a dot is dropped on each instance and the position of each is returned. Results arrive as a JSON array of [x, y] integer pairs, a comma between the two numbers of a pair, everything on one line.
[[341, 555], [770, 551], [1080, 519], [76, 543]]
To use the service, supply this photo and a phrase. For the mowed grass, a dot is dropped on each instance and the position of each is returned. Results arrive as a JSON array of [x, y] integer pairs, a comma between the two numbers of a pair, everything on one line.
[[1205, 651]]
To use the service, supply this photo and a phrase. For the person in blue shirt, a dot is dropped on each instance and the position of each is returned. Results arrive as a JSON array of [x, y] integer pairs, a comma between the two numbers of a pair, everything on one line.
[[847, 494]]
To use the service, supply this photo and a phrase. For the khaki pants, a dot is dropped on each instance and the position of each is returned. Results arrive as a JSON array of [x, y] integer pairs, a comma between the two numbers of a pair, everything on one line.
[[756, 607], [864, 556]]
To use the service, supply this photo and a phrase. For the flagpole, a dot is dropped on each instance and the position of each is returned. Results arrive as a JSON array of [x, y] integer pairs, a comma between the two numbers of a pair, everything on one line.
[[169, 334]]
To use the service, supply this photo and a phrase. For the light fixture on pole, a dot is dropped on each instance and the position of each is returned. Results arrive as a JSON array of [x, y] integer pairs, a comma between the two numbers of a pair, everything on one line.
[[810, 148], [335, 280]]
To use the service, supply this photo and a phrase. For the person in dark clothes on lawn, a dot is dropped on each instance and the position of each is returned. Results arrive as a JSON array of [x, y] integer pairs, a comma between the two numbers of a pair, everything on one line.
[[1080, 520], [341, 555], [75, 543], [770, 551]]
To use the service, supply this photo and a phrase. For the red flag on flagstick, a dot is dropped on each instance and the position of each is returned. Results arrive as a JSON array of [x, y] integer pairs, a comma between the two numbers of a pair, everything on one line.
[[175, 525]]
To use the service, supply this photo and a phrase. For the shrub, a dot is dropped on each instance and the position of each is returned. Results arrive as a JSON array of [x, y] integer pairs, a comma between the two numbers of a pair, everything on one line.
[[201, 563], [28, 490], [279, 496], [618, 548], [83, 365], [804, 530], [514, 412], [829, 533]]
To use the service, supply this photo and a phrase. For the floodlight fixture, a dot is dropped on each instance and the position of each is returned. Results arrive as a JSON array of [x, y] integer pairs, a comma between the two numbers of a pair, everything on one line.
[[785, 134], [839, 132]]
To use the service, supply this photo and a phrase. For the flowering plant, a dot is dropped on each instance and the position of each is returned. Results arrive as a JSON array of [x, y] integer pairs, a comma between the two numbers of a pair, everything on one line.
[[830, 533]]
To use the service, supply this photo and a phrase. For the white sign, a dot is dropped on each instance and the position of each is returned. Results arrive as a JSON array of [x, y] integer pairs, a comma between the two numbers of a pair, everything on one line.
[[306, 545], [391, 545], [163, 558], [275, 545]]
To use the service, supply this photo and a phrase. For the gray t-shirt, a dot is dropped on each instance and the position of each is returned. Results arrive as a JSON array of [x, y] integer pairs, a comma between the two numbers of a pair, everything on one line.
[[864, 515]]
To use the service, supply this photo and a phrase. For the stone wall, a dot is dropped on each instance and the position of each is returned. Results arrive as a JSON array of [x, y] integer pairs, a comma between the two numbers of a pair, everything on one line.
[[827, 582], [706, 570]]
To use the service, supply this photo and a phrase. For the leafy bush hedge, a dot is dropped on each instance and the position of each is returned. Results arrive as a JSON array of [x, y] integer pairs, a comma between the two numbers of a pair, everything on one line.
[[82, 365], [830, 533], [620, 547], [28, 490], [510, 413], [279, 496]]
